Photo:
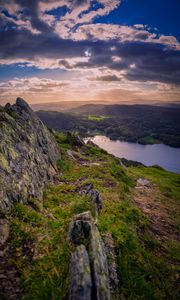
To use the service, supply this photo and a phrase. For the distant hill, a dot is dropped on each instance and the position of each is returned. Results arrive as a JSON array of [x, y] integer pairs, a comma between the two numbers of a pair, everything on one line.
[[58, 120], [145, 124]]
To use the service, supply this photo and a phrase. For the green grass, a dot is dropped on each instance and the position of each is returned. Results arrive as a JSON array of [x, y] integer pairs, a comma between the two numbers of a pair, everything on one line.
[[142, 260]]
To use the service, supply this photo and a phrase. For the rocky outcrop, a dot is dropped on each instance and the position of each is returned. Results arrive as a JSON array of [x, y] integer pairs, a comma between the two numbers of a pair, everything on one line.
[[28, 155], [84, 233], [86, 190]]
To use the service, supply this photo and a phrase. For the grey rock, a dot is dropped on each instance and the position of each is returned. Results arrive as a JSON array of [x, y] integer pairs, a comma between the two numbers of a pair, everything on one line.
[[99, 265], [97, 201], [79, 231], [83, 230], [4, 231], [143, 181], [75, 140], [110, 252], [85, 216], [85, 189], [28, 155], [81, 283]]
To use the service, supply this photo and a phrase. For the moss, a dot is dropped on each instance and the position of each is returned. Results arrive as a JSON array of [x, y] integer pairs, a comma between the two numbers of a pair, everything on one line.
[[12, 153], [4, 162]]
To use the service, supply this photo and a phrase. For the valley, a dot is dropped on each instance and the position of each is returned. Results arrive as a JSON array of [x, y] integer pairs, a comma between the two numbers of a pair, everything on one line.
[[144, 124]]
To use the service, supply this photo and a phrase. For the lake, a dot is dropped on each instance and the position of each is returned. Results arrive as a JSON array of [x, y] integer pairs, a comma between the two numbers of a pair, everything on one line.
[[159, 154]]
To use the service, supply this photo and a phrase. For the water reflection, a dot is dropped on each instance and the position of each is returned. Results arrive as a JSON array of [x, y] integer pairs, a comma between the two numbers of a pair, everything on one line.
[[158, 154]]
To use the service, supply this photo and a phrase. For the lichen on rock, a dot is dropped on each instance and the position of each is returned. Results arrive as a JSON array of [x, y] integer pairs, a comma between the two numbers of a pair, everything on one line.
[[28, 155]]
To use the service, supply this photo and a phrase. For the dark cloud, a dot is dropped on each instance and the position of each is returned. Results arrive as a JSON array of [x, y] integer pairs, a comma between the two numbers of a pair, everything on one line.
[[142, 60], [152, 62], [107, 78], [78, 2]]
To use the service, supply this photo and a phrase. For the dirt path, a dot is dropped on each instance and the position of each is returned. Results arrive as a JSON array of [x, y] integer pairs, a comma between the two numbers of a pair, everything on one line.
[[149, 199]]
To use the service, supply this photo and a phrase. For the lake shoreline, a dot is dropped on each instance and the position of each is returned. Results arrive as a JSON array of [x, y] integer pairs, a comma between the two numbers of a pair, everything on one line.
[[129, 141], [164, 156]]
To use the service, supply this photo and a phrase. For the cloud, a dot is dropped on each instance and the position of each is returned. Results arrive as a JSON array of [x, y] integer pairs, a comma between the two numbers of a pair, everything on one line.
[[36, 90], [106, 78], [84, 12], [151, 61], [30, 86], [62, 35], [122, 33]]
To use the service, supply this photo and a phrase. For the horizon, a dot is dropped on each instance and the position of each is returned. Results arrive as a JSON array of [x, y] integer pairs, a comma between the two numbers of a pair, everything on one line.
[[111, 51]]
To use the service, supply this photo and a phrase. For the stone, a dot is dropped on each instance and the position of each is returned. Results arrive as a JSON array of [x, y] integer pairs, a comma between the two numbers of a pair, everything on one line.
[[84, 231], [143, 183], [99, 266], [28, 155], [97, 201], [81, 283], [85, 189], [85, 216], [75, 140], [79, 231], [112, 267], [4, 231]]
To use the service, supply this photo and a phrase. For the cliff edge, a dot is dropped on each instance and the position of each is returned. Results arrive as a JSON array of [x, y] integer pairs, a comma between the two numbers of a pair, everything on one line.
[[28, 155]]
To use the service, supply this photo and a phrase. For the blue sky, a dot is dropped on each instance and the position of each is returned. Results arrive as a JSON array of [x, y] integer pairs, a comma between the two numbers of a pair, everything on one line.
[[160, 14], [90, 50]]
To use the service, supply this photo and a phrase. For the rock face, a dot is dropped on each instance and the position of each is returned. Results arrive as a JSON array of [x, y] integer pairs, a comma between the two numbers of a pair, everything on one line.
[[28, 155], [84, 233]]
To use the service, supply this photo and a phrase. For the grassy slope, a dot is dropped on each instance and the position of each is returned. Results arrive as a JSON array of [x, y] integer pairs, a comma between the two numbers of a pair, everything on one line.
[[147, 263]]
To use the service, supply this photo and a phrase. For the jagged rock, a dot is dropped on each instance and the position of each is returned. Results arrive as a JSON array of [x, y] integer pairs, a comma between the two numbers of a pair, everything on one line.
[[83, 230], [143, 183], [4, 231], [99, 265], [81, 283], [112, 267], [28, 155], [97, 201], [79, 230], [75, 140], [85, 216], [85, 189]]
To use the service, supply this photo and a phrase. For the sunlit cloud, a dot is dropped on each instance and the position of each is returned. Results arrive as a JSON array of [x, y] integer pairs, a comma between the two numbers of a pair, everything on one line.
[[98, 58]]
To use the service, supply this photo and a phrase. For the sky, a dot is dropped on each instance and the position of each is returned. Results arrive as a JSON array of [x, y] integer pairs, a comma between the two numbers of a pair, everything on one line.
[[123, 51]]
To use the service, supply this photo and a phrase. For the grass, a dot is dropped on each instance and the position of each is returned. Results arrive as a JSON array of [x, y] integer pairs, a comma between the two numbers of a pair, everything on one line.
[[39, 231]]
